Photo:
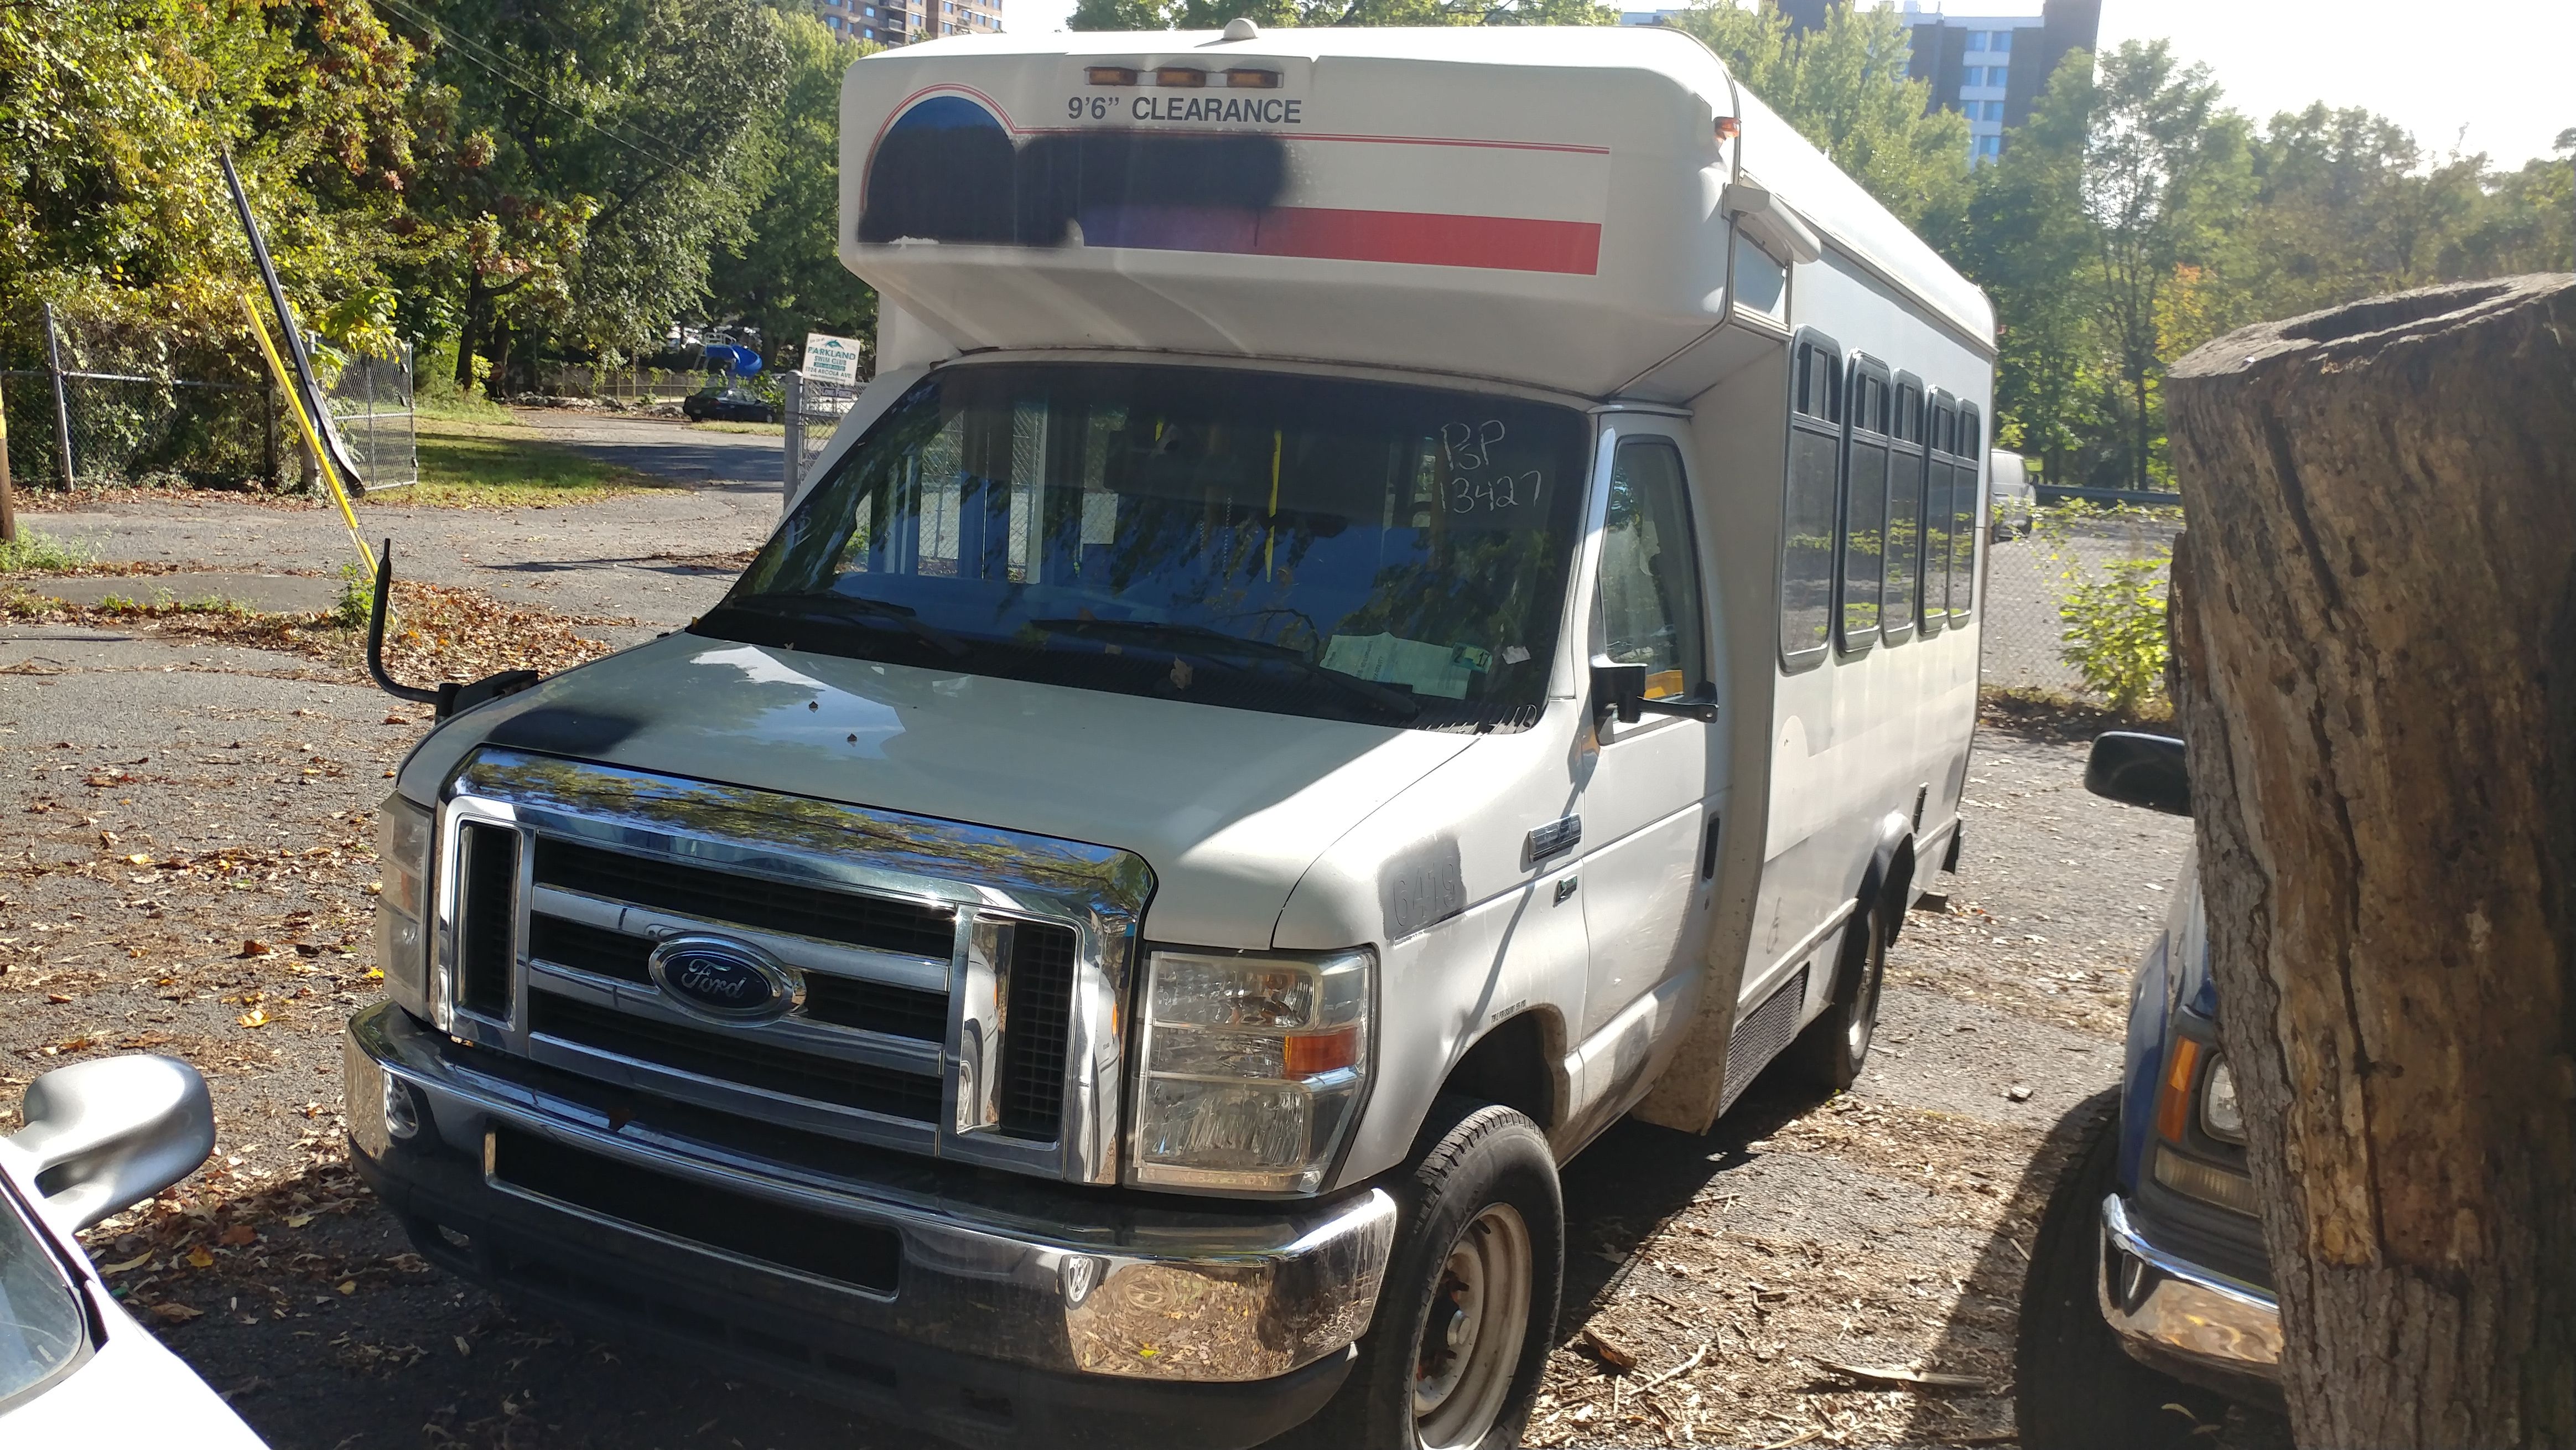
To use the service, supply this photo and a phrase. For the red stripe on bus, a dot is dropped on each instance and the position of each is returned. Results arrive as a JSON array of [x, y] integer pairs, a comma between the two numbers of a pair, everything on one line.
[[1430, 239]]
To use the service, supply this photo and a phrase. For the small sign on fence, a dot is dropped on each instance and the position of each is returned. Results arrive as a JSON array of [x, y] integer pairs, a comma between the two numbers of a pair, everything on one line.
[[830, 359]]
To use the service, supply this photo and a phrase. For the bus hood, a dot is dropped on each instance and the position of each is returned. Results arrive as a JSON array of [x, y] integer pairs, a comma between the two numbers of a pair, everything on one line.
[[1227, 806]]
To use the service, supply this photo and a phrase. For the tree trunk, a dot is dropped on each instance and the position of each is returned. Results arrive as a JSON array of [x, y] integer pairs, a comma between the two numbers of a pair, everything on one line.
[[2375, 613]]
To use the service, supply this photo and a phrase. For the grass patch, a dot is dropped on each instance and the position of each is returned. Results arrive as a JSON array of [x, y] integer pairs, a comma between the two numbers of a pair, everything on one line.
[[35, 553], [504, 464], [774, 430]]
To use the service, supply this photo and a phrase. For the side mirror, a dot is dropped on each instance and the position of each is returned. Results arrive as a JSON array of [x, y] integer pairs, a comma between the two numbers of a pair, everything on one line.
[[103, 1136], [1621, 690], [2139, 770]]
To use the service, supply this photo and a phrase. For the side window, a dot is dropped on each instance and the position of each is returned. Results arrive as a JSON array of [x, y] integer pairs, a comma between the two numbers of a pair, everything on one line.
[[1650, 608], [1864, 525], [1904, 512], [1967, 472], [1807, 515], [1937, 472]]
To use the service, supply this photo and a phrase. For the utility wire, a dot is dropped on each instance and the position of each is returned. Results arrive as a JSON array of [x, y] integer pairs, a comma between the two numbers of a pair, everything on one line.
[[508, 74]]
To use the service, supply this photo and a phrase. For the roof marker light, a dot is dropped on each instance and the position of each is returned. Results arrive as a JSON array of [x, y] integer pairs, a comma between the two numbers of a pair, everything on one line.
[[1110, 75], [1248, 78], [1179, 75]]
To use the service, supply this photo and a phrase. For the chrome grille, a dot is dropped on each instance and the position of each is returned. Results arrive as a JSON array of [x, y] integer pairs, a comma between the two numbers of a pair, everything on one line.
[[957, 985]]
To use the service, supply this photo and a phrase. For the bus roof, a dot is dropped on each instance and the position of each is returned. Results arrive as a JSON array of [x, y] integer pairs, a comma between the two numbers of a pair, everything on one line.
[[1544, 205]]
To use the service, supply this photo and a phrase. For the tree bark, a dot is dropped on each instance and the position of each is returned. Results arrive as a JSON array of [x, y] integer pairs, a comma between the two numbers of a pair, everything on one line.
[[2375, 618]]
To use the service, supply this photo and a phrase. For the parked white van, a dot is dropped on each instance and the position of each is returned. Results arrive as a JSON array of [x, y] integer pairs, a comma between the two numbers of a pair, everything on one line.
[[1398, 596]]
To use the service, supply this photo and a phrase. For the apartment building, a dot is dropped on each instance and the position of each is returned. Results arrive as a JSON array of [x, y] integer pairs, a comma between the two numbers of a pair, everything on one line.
[[905, 21]]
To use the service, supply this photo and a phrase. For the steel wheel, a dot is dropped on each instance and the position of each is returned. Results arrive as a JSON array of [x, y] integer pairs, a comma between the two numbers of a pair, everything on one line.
[[1864, 1018], [1472, 1335]]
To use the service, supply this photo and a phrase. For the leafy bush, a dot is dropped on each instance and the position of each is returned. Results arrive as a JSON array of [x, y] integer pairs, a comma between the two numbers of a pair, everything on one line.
[[2115, 631]]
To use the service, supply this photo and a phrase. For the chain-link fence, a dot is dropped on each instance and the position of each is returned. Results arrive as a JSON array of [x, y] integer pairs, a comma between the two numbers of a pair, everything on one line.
[[811, 408], [128, 405], [2032, 577], [637, 385], [371, 404]]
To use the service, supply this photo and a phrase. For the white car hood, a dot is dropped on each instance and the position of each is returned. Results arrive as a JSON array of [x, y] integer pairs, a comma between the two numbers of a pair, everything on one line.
[[131, 1393], [1227, 806]]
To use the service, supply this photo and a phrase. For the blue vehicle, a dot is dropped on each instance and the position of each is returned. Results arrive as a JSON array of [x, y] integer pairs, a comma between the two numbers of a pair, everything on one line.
[[2149, 1305]]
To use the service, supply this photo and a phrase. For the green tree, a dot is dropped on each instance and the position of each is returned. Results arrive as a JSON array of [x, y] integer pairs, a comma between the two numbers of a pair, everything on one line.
[[587, 159], [783, 275], [112, 116], [1844, 86]]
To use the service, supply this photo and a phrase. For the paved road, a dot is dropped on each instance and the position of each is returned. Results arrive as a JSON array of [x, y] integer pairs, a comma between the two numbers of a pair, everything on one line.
[[659, 558]]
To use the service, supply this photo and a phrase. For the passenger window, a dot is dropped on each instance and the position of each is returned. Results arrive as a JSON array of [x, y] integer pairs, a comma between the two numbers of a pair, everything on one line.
[[1649, 603], [1936, 513], [1864, 530], [1904, 514], [1807, 522], [1966, 471]]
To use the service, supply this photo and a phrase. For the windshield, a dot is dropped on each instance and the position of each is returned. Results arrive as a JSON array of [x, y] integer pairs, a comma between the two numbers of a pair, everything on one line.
[[41, 1325], [1308, 546]]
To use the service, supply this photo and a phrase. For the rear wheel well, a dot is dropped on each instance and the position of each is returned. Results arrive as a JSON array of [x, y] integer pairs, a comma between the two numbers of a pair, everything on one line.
[[1896, 894], [1509, 1065]]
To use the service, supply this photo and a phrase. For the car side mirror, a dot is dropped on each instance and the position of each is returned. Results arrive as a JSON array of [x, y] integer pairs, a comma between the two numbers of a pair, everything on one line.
[[1621, 690], [2139, 770], [103, 1136]]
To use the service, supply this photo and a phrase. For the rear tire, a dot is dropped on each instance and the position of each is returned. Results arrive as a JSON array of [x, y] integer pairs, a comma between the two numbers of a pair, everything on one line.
[[1835, 1047], [2074, 1387], [1453, 1357]]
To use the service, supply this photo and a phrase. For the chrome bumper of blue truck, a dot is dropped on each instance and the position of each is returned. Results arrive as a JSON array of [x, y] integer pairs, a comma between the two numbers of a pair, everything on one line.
[[2189, 1321]]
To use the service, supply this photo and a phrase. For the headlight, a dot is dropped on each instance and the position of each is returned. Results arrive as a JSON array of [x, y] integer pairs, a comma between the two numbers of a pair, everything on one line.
[[403, 833], [2219, 1110], [1252, 1067]]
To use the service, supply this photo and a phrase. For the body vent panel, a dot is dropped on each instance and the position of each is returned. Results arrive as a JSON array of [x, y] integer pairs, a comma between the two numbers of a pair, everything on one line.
[[1761, 1036]]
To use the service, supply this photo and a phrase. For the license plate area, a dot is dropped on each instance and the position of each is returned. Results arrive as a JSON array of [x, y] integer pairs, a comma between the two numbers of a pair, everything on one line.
[[740, 1226]]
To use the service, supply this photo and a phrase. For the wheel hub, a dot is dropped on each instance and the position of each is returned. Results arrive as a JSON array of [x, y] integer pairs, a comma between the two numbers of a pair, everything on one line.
[[1473, 1335]]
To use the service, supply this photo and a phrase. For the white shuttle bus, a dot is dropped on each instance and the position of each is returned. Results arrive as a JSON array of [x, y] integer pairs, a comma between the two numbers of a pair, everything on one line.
[[1397, 596]]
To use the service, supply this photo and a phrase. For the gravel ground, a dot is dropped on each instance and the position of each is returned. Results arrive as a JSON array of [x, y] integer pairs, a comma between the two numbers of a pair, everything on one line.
[[187, 869]]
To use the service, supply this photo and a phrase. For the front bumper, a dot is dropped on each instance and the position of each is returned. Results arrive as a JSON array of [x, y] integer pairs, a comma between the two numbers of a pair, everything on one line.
[[1011, 1300], [2191, 1322]]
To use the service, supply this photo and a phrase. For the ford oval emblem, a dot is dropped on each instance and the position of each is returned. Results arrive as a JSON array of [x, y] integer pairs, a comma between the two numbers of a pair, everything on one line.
[[726, 980]]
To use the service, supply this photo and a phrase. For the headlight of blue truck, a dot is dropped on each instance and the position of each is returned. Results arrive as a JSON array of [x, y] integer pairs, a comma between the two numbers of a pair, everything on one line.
[[1253, 1067], [403, 835]]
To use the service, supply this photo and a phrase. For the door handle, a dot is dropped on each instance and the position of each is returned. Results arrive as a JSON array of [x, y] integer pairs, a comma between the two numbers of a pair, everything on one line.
[[1708, 849]]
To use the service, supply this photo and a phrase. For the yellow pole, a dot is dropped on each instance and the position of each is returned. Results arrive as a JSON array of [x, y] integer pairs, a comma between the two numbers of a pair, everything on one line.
[[312, 436]]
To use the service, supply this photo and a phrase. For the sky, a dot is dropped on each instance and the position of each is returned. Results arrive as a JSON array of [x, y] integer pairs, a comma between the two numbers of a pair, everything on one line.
[[2499, 68]]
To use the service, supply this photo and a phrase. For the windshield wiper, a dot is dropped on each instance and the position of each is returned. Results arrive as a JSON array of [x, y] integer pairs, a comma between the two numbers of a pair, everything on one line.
[[835, 608], [1216, 644]]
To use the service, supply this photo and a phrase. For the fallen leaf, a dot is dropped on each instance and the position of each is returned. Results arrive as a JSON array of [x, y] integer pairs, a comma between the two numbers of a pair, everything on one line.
[[176, 1313], [255, 948], [255, 1017], [397, 719], [237, 1235], [199, 1257], [462, 1347], [140, 858], [298, 1220], [138, 1261], [56, 998], [348, 1286]]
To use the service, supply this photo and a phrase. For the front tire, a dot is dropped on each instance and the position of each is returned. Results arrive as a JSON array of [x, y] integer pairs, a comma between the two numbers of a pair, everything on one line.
[[2074, 1387], [1453, 1358], [1835, 1047]]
